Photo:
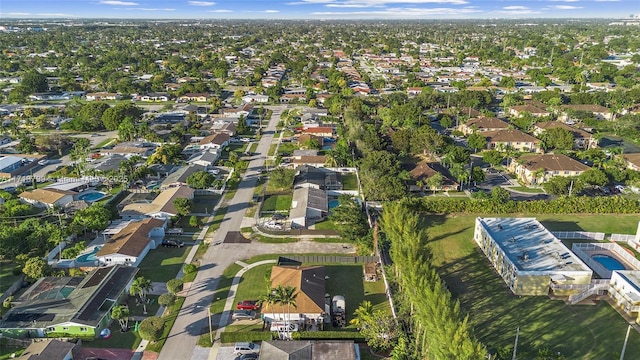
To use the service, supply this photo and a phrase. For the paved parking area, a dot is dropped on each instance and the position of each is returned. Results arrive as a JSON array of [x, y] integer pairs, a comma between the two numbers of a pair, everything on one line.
[[226, 353], [108, 354]]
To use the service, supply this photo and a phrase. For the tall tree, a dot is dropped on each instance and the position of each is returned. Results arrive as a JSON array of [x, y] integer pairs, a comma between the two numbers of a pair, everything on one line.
[[141, 287], [122, 314]]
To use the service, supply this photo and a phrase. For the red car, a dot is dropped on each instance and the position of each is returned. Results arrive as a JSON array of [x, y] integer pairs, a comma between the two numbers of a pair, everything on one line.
[[247, 305]]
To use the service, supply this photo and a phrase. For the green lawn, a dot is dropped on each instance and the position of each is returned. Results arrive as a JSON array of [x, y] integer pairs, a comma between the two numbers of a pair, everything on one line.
[[276, 202], [324, 225], [7, 278], [118, 340], [255, 283], [204, 203], [287, 148], [272, 149], [222, 291], [163, 264], [349, 182], [578, 332]]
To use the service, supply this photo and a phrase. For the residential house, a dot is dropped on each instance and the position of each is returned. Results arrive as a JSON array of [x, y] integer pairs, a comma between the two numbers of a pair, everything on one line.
[[224, 127], [155, 97], [49, 350], [205, 159], [412, 91], [599, 112], [131, 244], [68, 306], [102, 96], [129, 149], [245, 110], [423, 170], [287, 98], [161, 207], [196, 97], [180, 176], [539, 168], [520, 110], [624, 290], [256, 98], [582, 139], [48, 197], [326, 131], [308, 350], [483, 124], [632, 161], [511, 139], [309, 282], [307, 139], [308, 206], [12, 165], [216, 142], [315, 161], [317, 178]]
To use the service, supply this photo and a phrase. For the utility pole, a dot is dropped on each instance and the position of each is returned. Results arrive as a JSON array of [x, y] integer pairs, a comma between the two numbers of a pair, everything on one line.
[[624, 346], [515, 346]]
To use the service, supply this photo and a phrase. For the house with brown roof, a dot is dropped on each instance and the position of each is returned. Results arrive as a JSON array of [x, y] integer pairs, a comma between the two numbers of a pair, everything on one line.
[[513, 139], [131, 244], [316, 161], [199, 97], [50, 349], [309, 282], [582, 139], [320, 131], [308, 350], [217, 141], [161, 207], [47, 197], [537, 169], [632, 161], [600, 112], [520, 110], [482, 124], [423, 170]]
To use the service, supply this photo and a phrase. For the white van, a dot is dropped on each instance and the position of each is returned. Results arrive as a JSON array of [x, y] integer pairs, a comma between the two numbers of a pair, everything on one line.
[[246, 348]]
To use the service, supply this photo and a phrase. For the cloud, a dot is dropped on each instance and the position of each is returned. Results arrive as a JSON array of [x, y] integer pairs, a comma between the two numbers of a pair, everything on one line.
[[565, 7], [152, 9], [271, 11], [347, 5], [201, 3], [117, 2], [373, 3], [515, 8], [570, 0], [402, 13], [220, 11], [310, 2]]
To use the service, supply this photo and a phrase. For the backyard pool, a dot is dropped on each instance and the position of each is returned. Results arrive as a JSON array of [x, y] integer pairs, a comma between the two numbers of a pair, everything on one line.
[[89, 257], [609, 262], [91, 196], [333, 203]]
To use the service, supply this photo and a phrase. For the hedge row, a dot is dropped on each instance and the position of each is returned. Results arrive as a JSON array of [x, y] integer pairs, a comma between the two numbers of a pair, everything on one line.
[[562, 205], [332, 335], [242, 336]]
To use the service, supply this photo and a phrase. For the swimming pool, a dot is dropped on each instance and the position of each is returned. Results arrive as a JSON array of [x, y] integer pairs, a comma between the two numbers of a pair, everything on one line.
[[91, 196], [89, 257], [609, 262], [333, 203]]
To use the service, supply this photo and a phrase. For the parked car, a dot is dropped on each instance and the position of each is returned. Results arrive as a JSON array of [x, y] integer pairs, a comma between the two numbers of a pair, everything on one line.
[[243, 315], [278, 217], [247, 305], [43, 162], [172, 243], [284, 327], [246, 348], [251, 356]]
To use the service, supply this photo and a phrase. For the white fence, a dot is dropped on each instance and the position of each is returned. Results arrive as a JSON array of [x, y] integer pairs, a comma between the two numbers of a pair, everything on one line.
[[580, 250], [623, 238], [578, 235]]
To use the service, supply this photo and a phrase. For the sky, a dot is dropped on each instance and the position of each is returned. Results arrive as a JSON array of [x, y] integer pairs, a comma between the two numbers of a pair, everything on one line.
[[319, 9]]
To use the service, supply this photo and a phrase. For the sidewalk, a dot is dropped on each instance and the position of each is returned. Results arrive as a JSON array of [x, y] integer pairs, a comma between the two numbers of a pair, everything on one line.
[[139, 352]]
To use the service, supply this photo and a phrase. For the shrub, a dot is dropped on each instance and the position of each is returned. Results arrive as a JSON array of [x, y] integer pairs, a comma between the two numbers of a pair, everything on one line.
[[166, 299], [232, 337], [205, 340], [328, 335], [174, 286], [190, 268], [6, 304], [150, 329]]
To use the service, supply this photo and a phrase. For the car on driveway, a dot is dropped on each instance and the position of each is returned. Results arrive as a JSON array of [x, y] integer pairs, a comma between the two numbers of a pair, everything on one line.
[[243, 315], [246, 348], [251, 356], [172, 243], [248, 305]]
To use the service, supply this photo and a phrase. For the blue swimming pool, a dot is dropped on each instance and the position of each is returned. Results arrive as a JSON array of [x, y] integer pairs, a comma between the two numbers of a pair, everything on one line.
[[89, 257], [91, 196], [333, 203], [608, 262]]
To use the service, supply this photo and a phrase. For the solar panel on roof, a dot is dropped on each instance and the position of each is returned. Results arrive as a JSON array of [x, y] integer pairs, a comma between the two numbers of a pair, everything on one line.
[[29, 317]]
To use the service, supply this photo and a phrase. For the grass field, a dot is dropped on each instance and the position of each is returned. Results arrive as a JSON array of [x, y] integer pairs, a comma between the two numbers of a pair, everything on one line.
[[276, 202], [118, 340], [578, 332], [349, 182], [163, 264], [7, 278], [204, 203], [324, 225]]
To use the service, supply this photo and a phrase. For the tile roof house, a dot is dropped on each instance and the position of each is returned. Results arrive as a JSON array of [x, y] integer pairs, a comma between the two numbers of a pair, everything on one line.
[[600, 112], [423, 170], [217, 141], [49, 350], [537, 169], [520, 110], [308, 350], [314, 160], [309, 282], [483, 124], [68, 306], [582, 139], [160, 208], [131, 244], [511, 138], [47, 197], [308, 206], [632, 161]]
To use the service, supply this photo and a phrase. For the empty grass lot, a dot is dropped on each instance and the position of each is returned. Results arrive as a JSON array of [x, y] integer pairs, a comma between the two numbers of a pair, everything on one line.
[[163, 264], [276, 202], [349, 182], [578, 332]]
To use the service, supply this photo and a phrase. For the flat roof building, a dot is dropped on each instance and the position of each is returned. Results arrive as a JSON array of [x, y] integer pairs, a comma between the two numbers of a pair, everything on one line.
[[529, 257]]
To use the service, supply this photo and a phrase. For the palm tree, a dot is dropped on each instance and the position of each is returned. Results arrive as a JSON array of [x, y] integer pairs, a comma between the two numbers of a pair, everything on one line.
[[362, 315], [122, 314], [141, 287], [269, 300], [287, 296]]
